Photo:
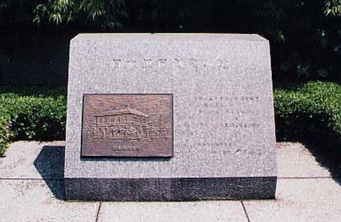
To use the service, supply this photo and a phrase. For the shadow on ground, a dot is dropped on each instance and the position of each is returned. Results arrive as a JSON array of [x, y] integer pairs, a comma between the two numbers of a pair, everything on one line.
[[325, 158], [50, 165]]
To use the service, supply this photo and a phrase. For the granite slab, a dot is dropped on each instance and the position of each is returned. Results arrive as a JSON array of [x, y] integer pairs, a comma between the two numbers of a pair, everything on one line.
[[223, 116]]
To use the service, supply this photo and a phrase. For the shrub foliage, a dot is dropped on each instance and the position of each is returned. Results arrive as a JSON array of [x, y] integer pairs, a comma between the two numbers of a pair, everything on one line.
[[31, 113], [310, 111], [305, 34]]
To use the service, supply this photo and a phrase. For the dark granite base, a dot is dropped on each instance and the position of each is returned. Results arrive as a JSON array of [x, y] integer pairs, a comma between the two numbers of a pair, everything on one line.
[[170, 189]]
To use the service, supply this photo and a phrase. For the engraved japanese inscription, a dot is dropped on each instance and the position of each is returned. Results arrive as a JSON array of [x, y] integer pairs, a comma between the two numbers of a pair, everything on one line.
[[127, 125]]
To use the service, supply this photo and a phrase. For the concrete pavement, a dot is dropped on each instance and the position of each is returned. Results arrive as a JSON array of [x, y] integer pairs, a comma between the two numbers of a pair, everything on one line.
[[31, 189]]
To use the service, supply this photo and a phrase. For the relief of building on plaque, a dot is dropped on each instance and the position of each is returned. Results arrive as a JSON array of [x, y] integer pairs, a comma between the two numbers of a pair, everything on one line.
[[128, 124]]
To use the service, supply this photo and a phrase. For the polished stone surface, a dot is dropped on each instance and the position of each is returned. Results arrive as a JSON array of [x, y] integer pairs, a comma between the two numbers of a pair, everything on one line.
[[222, 108]]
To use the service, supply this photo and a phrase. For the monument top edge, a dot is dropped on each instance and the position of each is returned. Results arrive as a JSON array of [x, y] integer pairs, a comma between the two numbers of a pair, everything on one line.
[[166, 36]]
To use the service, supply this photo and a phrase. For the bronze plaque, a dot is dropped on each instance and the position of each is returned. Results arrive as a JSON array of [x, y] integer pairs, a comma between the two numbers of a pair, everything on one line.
[[127, 125]]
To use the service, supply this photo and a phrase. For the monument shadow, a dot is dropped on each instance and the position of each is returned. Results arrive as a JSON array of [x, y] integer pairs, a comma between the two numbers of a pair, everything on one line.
[[326, 158], [50, 165]]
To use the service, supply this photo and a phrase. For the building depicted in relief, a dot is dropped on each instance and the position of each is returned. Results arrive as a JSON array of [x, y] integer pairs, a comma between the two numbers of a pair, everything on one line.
[[128, 124]]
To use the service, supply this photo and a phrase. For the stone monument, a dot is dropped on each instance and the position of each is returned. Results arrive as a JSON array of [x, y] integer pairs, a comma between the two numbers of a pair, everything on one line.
[[159, 117]]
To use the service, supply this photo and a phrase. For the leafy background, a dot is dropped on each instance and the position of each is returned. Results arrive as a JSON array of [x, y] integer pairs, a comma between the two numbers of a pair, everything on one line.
[[304, 34]]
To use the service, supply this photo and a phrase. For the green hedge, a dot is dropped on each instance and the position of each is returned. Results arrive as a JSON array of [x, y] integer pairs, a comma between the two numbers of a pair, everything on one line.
[[310, 111], [4, 131], [32, 113]]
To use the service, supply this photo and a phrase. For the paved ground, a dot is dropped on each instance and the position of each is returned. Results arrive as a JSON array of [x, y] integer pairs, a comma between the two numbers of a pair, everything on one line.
[[31, 189]]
